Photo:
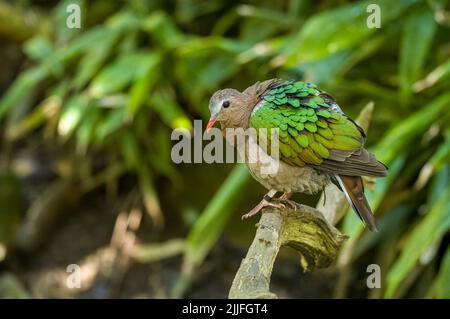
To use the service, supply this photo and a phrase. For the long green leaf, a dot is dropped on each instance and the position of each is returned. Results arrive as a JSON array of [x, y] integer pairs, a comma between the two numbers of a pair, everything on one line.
[[334, 30], [211, 223], [121, 73], [406, 133], [164, 103], [140, 89], [25, 83], [418, 34], [441, 285], [431, 228], [435, 76], [388, 151]]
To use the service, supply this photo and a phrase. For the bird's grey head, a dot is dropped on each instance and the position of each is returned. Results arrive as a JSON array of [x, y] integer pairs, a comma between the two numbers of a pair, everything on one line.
[[225, 106], [222, 100]]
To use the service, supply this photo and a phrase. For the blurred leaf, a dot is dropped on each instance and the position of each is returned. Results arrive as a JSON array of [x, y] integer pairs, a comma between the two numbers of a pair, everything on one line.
[[125, 21], [26, 82], [323, 70], [121, 73], [86, 129], [265, 21], [212, 221], [71, 115], [163, 30], [435, 223], [389, 225], [365, 50], [189, 10], [440, 288], [150, 196], [262, 49], [435, 163], [367, 88], [84, 42], [129, 148], [406, 133], [12, 288], [434, 77], [328, 32], [396, 140], [92, 61], [160, 157], [163, 102], [142, 86], [47, 108], [418, 34], [203, 46], [112, 172], [63, 32], [439, 184], [41, 49], [112, 121], [146, 253], [199, 76]]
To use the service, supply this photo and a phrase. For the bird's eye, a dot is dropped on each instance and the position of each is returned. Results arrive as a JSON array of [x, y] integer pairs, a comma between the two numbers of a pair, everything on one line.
[[226, 104]]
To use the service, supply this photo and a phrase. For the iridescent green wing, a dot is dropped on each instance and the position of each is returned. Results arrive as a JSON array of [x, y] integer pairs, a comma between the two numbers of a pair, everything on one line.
[[312, 128]]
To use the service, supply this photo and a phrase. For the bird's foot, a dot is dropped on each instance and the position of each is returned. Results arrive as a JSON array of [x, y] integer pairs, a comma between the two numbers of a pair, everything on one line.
[[265, 202]]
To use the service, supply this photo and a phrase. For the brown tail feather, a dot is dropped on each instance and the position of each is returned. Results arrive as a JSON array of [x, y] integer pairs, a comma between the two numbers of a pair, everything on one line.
[[353, 188]]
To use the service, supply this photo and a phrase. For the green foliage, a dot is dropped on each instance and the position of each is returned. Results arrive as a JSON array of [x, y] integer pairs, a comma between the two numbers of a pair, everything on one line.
[[335, 27], [418, 34], [442, 282], [428, 233], [111, 92], [214, 218]]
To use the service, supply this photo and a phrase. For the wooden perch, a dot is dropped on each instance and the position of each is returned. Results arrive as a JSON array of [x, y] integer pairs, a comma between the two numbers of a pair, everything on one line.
[[304, 229], [308, 230]]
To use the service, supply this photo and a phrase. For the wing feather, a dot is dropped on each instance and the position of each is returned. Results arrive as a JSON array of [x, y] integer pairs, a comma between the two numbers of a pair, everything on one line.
[[314, 131]]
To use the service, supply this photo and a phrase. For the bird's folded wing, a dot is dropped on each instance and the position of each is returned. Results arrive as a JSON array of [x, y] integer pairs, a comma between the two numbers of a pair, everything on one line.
[[314, 131]]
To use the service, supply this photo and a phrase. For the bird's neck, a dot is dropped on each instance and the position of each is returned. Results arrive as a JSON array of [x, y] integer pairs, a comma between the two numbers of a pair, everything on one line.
[[249, 99]]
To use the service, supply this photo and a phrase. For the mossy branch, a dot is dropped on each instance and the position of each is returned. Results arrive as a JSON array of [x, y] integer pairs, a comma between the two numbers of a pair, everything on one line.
[[304, 229]]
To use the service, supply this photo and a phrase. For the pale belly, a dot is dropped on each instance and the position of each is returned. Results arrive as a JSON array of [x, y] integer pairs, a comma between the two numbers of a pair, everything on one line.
[[282, 177], [290, 179]]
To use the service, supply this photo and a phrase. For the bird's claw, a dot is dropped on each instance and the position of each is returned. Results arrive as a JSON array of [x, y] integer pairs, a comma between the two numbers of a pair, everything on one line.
[[264, 203], [288, 203], [286, 199]]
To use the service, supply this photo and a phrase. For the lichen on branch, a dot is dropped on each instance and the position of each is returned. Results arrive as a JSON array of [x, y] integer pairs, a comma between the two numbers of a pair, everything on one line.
[[304, 229]]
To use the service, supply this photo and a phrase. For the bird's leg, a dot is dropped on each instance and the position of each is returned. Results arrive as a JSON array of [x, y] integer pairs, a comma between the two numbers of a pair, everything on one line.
[[265, 202], [286, 199]]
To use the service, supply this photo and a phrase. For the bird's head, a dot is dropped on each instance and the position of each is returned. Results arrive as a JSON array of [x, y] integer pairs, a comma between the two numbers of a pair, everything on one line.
[[226, 106]]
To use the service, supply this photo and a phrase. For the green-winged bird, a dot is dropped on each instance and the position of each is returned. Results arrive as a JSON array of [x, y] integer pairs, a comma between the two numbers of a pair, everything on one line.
[[318, 143]]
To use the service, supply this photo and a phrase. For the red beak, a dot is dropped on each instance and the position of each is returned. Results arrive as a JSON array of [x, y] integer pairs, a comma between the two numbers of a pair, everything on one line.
[[211, 122]]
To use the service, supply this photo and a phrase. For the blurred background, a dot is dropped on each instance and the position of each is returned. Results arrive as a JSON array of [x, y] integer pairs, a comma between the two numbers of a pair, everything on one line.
[[86, 115]]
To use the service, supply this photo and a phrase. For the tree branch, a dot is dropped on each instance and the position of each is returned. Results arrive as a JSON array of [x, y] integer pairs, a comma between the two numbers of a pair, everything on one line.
[[304, 229]]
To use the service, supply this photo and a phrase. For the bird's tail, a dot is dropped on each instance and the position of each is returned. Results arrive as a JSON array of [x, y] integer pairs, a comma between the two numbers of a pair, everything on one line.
[[353, 189]]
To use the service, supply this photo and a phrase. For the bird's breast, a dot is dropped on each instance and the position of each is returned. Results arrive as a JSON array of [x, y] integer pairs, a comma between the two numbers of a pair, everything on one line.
[[275, 174]]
